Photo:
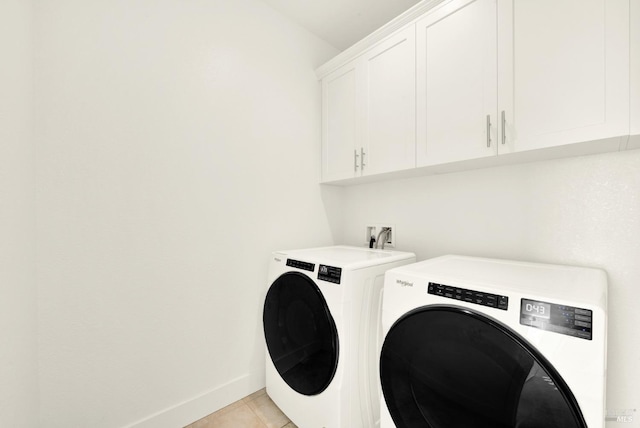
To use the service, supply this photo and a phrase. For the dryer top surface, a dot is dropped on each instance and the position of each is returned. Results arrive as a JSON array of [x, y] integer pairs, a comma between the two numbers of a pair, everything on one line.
[[347, 257]]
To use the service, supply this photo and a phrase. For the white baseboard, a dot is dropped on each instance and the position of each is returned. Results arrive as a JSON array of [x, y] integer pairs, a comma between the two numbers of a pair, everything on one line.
[[184, 413]]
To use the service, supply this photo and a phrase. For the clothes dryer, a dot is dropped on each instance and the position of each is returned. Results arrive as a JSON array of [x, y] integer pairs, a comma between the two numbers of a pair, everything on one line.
[[322, 331], [486, 343]]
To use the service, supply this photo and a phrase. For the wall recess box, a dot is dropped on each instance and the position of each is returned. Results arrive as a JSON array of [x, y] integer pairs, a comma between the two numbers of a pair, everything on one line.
[[374, 229]]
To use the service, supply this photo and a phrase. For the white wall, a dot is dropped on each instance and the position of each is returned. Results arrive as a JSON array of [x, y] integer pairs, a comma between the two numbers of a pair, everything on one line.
[[177, 146], [582, 211], [18, 350]]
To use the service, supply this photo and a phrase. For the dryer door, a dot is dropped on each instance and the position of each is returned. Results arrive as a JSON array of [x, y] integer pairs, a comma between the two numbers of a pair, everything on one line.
[[300, 333], [450, 367]]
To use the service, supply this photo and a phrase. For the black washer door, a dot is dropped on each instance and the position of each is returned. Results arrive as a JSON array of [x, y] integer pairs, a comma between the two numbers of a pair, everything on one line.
[[450, 367], [300, 333]]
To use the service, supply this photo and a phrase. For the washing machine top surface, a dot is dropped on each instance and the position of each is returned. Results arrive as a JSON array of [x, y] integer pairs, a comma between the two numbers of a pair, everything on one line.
[[346, 257], [586, 285]]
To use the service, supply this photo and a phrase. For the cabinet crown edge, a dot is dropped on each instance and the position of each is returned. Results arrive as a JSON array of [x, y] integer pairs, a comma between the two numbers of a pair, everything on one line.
[[377, 36]]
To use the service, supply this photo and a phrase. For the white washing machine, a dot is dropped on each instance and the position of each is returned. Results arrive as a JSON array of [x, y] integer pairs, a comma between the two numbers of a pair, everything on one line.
[[484, 343], [323, 334]]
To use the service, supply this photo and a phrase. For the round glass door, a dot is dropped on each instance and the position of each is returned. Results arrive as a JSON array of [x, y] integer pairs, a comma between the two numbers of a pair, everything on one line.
[[301, 335], [450, 367]]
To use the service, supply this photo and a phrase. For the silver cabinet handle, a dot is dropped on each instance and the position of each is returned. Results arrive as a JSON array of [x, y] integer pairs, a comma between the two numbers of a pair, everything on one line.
[[355, 160], [362, 153], [504, 127], [488, 130]]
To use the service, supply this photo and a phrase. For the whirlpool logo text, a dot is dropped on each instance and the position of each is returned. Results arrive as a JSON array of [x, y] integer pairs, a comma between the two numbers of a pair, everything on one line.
[[404, 283]]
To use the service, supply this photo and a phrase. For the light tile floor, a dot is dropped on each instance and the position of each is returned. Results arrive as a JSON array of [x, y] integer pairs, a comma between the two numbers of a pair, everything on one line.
[[254, 411]]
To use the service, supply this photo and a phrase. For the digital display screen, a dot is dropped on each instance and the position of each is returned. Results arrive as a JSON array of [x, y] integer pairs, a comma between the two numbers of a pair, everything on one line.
[[563, 319], [536, 309], [329, 273]]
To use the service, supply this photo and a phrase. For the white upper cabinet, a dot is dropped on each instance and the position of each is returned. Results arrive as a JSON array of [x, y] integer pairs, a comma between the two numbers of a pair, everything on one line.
[[389, 97], [459, 84], [456, 82], [340, 129], [503, 76], [563, 71], [368, 111]]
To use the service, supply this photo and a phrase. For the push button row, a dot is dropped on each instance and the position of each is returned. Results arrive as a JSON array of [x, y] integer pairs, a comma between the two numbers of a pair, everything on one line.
[[470, 296], [301, 265]]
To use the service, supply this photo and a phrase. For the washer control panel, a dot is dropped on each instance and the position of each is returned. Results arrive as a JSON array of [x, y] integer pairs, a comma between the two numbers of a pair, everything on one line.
[[325, 273], [330, 273], [563, 319], [469, 296], [301, 265]]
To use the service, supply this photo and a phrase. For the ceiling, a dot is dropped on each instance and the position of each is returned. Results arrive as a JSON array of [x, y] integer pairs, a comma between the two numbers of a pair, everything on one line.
[[341, 23]]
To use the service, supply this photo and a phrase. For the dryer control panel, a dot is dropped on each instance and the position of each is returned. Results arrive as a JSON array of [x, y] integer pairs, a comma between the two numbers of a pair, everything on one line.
[[470, 296], [561, 319], [301, 265]]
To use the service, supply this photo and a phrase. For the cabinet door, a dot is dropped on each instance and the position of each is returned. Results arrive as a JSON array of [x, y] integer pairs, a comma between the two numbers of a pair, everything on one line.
[[563, 71], [457, 84], [390, 105], [340, 133]]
